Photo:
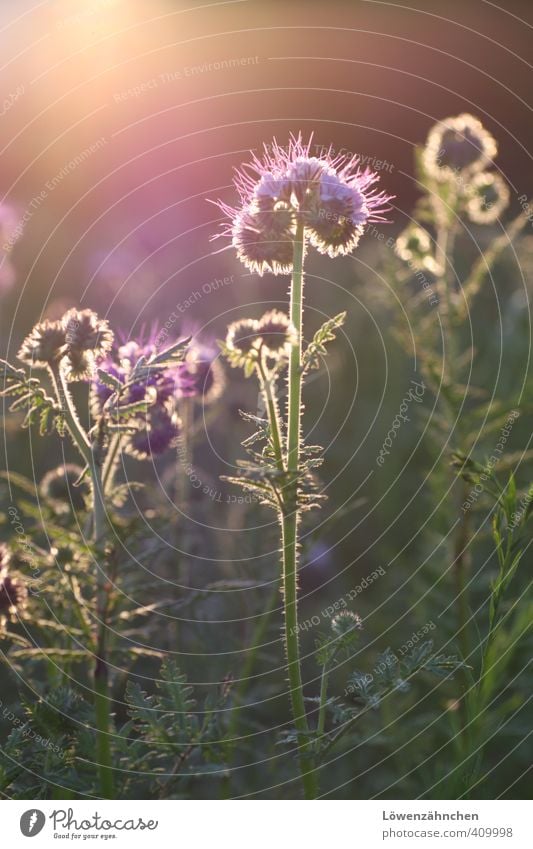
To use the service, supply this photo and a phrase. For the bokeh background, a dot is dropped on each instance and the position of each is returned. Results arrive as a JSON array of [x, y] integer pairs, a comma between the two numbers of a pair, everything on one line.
[[120, 119]]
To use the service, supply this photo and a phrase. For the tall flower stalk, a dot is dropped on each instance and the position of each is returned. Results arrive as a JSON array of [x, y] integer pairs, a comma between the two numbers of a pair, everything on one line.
[[290, 199], [289, 518]]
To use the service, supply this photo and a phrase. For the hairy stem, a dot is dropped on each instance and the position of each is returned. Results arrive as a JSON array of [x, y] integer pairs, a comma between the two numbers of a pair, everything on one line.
[[69, 413], [289, 524], [90, 454], [273, 418], [111, 462], [445, 245], [323, 697], [101, 672]]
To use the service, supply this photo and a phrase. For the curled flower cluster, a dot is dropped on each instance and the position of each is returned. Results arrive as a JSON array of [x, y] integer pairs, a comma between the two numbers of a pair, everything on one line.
[[88, 339], [458, 151], [13, 593], [488, 196], [246, 338], [414, 246], [58, 488], [346, 621], [77, 341], [459, 145], [329, 195]]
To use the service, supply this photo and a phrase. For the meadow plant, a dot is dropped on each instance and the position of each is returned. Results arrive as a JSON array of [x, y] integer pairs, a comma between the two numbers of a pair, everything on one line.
[[289, 201], [68, 615], [134, 391], [461, 189]]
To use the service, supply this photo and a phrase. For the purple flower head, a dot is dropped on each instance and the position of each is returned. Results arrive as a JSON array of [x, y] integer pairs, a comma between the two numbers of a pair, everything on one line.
[[158, 428], [201, 374], [329, 194], [160, 386], [157, 433]]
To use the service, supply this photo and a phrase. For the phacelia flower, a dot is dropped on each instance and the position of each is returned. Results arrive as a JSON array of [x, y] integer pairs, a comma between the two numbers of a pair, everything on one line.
[[276, 331], [458, 146], [157, 429], [157, 433], [201, 375], [158, 387], [413, 245], [13, 593], [88, 339], [44, 346], [57, 487], [329, 195], [488, 197], [243, 337], [346, 621]]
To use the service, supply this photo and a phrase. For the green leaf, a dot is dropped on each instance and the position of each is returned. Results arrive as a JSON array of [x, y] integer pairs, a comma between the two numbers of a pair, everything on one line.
[[317, 347]]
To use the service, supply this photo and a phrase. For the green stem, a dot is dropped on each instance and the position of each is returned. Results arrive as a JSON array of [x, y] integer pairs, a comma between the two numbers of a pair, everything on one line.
[[289, 524], [103, 742], [110, 464], [445, 244], [266, 385], [101, 673], [64, 398], [321, 725], [90, 454]]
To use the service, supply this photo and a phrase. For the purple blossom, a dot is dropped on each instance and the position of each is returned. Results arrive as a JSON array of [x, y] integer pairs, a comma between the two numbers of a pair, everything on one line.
[[329, 194], [201, 374], [158, 433]]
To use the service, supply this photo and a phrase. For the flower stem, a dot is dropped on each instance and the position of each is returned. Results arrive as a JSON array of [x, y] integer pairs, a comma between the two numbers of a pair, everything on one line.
[[111, 462], [323, 696], [102, 696], [90, 454], [445, 244], [266, 385], [289, 524]]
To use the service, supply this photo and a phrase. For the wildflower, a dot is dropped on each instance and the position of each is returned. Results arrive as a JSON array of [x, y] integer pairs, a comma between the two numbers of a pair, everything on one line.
[[413, 245], [44, 346], [488, 197], [158, 433], [458, 146], [330, 195], [346, 621], [57, 487], [158, 387], [13, 593], [243, 340], [201, 374], [157, 429], [88, 339], [276, 331]]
